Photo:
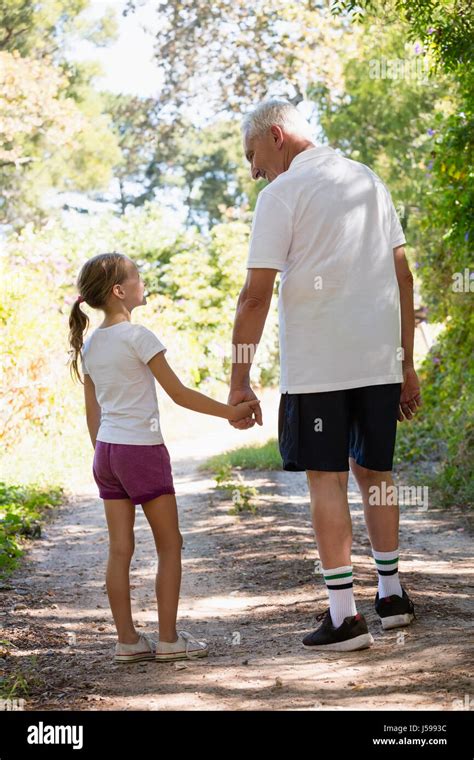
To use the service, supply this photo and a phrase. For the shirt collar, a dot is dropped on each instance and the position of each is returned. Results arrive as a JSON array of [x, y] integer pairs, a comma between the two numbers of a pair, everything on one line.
[[310, 154]]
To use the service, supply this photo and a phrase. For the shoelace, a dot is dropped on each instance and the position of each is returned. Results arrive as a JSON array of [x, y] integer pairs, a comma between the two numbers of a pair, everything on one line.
[[189, 639], [151, 642]]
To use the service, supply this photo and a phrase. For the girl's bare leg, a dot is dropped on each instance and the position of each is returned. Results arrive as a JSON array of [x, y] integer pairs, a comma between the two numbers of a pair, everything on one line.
[[120, 515], [162, 514]]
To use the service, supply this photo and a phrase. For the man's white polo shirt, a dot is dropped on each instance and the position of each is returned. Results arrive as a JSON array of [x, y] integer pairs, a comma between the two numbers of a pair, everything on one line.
[[329, 225]]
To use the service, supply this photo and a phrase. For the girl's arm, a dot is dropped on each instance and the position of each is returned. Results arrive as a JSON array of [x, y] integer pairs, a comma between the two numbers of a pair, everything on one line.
[[93, 410], [194, 400]]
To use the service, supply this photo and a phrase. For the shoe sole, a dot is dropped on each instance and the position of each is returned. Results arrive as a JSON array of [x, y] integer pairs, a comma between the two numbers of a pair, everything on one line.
[[127, 658], [180, 656], [396, 621], [363, 641]]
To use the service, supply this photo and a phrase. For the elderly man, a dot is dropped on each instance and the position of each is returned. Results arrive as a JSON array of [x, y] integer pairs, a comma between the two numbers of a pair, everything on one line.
[[346, 321]]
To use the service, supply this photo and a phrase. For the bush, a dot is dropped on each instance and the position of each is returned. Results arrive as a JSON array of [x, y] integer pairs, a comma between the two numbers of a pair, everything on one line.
[[21, 512]]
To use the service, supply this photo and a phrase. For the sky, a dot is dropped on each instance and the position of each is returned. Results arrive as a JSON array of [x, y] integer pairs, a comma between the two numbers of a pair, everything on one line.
[[128, 64]]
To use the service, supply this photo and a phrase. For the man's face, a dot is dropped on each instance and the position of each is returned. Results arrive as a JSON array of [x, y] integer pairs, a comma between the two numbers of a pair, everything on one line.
[[264, 154]]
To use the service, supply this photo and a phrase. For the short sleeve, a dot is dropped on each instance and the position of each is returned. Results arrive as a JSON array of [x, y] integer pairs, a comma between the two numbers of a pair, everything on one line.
[[85, 371], [272, 231], [397, 236], [146, 344]]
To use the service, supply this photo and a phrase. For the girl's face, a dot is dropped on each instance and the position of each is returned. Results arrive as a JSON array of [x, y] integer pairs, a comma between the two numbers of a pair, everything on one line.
[[132, 289]]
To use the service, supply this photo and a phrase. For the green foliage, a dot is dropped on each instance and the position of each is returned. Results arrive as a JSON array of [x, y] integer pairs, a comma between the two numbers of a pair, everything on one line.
[[31, 358], [199, 279], [43, 29], [450, 210], [204, 166], [18, 683], [445, 27], [21, 509], [444, 430], [241, 493], [53, 133], [264, 456], [381, 119]]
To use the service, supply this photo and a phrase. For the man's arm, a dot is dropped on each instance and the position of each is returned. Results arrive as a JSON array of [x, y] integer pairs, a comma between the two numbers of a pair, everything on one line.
[[93, 410], [252, 309], [410, 398]]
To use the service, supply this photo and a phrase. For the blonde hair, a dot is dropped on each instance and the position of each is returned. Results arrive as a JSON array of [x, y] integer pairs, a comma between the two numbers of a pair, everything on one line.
[[94, 283]]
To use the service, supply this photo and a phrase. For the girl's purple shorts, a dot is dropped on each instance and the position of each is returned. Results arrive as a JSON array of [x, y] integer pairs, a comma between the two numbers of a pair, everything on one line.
[[125, 471]]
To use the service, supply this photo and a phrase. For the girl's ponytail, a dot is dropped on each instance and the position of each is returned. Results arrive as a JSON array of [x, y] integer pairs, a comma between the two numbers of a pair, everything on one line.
[[78, 324]]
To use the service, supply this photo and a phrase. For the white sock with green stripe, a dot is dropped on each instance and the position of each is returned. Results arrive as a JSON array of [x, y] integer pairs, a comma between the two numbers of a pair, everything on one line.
[[387, 569], [341, 594]]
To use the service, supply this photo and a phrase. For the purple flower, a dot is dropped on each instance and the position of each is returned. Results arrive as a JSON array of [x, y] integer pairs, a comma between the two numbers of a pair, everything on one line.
[[430, 30], [436, 360], [431, 132], [466, 236]]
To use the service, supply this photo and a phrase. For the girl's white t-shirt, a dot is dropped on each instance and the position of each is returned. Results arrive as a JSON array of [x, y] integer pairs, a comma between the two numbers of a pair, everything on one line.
[[116, 359]]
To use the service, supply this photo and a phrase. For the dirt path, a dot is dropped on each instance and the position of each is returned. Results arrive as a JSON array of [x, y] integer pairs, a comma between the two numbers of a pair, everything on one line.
[[249, 588]]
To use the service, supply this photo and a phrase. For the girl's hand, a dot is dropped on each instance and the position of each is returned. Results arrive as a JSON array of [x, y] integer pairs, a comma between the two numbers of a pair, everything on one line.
[[236, 396], [244, 411]]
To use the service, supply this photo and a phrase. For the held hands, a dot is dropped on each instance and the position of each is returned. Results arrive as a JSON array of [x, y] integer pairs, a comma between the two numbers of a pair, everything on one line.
[[410, 397], [246, 405]]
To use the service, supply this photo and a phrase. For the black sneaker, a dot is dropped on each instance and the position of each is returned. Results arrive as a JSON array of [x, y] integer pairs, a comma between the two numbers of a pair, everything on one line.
[[351, 634], [395, 611]]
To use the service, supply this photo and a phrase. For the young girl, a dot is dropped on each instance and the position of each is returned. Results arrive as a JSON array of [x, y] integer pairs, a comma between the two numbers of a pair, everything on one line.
[[131, 465]]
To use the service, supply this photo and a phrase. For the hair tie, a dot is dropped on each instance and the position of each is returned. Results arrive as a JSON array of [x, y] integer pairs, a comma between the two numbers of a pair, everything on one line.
[[80, 299]]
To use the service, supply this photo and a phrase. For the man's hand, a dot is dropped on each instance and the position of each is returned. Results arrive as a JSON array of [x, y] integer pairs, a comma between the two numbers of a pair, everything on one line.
[[410, 397], [245, 394]]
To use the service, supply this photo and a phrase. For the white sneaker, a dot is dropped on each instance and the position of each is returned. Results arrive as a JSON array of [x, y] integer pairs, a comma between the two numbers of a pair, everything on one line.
[[144, 649], [186, 647]]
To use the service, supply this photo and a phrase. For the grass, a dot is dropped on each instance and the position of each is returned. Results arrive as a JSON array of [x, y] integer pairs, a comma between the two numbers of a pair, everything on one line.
[[17, 683], [22, 510], [264, 456]]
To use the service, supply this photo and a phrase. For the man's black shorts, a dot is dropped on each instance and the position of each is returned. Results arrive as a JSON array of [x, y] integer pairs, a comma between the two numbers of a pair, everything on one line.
[[320, 431]]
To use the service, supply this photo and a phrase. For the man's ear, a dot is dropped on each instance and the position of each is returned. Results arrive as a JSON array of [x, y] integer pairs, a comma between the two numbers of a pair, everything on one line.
[[277, 135]]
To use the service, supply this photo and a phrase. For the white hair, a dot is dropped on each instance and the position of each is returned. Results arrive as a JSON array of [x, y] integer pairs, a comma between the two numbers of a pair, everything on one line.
[[275, 112]]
